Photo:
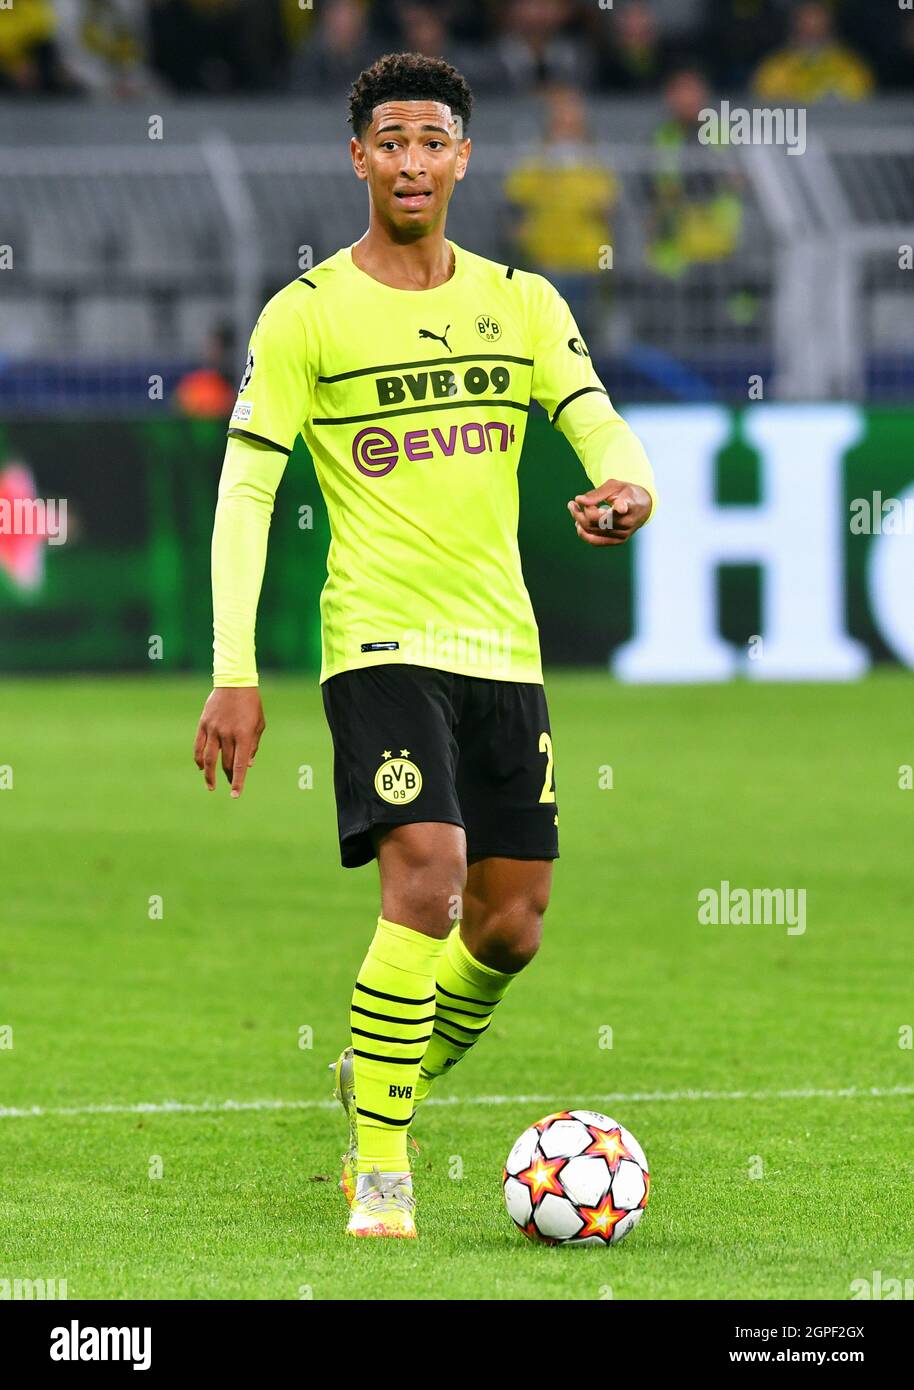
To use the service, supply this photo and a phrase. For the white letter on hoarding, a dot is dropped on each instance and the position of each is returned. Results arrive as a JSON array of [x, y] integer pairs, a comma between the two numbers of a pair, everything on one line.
[[795, 534]]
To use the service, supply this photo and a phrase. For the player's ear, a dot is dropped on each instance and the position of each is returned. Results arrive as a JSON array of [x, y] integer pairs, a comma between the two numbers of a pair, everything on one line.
[[357, 155], [463, 157]]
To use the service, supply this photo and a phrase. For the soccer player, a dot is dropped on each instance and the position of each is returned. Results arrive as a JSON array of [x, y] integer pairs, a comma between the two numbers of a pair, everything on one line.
[[408, 365]]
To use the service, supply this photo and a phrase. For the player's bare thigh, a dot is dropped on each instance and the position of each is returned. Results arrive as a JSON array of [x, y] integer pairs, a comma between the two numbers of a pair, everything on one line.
[[423, 869]]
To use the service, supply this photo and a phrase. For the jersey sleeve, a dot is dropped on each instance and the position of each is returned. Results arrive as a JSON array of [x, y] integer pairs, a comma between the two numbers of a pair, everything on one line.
[[566, 384], [251, 474], [274, 397], [562, 369]]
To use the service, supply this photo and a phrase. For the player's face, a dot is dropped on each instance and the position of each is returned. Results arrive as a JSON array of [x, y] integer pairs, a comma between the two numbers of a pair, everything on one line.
[[411, 156]]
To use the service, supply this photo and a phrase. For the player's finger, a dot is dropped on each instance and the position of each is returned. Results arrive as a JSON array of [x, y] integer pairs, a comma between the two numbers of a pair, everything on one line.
[[591, 515], [255, 741], [608, 492], [598, 538], [210, 755], [228, 756], [199, 745], [243, 759], [606, 524]]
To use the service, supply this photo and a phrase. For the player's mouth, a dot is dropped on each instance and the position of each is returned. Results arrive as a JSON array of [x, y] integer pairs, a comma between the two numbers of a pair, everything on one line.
[[408, 198]]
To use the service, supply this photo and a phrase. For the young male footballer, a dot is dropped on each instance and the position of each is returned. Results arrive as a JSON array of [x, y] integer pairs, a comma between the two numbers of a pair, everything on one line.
[[409, 364]]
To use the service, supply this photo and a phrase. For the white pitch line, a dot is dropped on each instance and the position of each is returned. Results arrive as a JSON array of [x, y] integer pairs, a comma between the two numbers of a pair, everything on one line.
[[223, 1107]]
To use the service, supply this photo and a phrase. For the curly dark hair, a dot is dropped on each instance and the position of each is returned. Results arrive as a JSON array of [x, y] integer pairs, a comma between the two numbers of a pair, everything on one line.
[[408, 77]]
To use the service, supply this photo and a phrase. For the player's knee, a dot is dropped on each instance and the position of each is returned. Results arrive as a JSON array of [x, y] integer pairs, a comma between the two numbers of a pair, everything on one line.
[[511, 935]]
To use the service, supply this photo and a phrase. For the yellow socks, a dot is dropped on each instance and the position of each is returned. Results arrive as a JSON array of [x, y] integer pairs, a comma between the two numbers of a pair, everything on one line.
[[393, 1009], [466, 994]]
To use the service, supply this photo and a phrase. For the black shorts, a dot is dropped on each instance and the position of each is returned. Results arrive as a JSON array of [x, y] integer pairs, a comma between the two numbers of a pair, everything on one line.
[[412, 743]]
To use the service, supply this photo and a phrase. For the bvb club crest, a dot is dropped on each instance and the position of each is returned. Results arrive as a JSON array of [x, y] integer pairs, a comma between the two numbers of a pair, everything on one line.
[[398, 780], [488, 328]]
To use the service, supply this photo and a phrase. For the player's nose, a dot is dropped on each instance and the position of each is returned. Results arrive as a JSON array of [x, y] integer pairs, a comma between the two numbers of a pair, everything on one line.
[[413, 165]]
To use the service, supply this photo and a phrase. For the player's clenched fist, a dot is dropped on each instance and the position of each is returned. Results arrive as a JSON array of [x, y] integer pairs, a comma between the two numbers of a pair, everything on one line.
[[626, 507], [230, 727]]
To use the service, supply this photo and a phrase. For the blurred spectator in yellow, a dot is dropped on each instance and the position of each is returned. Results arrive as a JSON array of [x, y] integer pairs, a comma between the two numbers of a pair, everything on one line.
[[337, 49], [633, 55], [560, 199], [694, 219], [208, 392], [813, 64], [29, 56]]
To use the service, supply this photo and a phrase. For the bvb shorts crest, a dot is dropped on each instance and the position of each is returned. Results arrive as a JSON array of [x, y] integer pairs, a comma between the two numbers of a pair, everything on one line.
[[412, 743]]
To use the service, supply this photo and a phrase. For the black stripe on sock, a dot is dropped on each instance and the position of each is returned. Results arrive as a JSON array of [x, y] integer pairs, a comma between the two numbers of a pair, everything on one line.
[[473, 1032], [453, 1041], [394, 998], [391, 1018], [385, 1119], [382, 1037], [465, 1013], [394, 1061], [465, 999]]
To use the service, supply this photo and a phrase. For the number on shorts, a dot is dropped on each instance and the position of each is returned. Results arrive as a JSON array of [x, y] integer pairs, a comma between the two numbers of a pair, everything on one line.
[[548, 792]]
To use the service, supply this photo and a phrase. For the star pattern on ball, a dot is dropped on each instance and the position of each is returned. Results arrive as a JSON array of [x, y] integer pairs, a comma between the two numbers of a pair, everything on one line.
[[543, 1176], [600, 1220], [608, 1144], [542, 1125]]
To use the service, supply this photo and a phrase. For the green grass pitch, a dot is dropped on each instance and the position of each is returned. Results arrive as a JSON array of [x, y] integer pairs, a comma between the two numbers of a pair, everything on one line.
[[261, 935]]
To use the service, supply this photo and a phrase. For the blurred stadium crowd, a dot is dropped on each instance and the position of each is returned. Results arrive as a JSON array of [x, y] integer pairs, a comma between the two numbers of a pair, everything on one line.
[[139, 254], [783, 50]]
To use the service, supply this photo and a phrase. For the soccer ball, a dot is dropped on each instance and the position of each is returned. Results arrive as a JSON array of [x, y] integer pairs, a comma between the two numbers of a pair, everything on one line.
[[576, 1178]]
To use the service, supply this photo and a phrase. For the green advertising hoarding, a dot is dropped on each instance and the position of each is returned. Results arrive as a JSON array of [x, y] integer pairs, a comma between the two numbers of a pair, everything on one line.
[[752, 501]]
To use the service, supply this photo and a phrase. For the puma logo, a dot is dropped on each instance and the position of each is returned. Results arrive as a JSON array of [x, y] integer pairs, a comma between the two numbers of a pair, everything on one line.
[[439, 337]]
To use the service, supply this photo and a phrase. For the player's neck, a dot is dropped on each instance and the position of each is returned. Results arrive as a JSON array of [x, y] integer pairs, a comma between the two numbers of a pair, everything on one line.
[[414, 265]]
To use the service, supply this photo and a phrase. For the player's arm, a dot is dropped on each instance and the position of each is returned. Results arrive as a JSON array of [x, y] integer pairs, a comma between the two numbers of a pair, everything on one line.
[[271, 405], [232, 720], [565, 383]]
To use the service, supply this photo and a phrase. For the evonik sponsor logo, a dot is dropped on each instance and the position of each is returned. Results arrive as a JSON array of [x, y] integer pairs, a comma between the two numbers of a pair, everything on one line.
[[375, 451]]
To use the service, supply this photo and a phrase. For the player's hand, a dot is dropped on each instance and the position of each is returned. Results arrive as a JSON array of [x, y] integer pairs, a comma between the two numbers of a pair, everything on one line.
[[230, 728], [629, 507]]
